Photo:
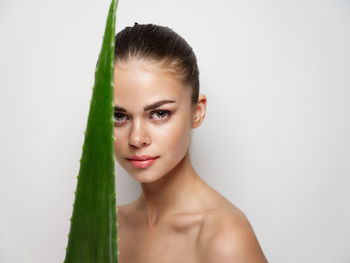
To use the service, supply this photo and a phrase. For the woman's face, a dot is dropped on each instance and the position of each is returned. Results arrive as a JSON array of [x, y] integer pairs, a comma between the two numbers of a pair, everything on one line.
[[161, 131]]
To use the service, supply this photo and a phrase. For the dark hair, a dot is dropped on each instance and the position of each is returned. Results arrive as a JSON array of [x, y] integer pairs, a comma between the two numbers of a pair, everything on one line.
[[159, 44]]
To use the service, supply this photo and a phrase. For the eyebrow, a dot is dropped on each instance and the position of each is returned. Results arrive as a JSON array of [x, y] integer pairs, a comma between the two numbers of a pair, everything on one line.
[[149, 107]]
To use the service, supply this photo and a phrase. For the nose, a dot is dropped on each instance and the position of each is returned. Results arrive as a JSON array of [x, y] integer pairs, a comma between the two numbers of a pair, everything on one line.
[[138, 136]]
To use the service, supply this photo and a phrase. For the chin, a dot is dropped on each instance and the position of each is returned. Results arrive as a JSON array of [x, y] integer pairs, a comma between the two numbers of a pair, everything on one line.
[[144, 178]]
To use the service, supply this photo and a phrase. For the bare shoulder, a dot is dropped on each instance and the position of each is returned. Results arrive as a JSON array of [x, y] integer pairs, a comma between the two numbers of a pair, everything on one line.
[[127, 215], [229, 237], [121, 211], [124, 212]]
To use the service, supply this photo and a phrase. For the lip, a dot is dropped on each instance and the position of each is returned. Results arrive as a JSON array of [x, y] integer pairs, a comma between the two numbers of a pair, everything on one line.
[[141, 157], [142, 161]]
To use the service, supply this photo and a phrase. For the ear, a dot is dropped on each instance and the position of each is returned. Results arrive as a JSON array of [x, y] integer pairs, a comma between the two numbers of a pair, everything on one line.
[[199, 111]]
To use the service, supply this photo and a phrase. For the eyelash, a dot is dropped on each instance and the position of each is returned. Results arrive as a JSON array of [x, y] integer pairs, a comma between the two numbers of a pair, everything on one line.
[[167, 112]]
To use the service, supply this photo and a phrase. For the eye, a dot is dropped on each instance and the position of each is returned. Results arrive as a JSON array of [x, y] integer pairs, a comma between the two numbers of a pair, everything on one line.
[[117, 116], [162, 114]]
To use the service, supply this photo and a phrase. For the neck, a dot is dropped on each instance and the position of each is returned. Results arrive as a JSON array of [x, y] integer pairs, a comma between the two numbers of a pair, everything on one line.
[[171, 194]]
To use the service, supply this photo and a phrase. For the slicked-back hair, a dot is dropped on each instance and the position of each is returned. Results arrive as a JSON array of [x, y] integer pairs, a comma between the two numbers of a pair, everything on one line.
[[160, 44]]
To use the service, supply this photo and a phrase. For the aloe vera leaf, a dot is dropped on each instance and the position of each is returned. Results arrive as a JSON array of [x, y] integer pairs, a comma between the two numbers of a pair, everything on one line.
[[93, 229]]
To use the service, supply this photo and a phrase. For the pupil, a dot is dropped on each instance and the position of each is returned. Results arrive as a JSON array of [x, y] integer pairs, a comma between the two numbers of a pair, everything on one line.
[[117, 115]]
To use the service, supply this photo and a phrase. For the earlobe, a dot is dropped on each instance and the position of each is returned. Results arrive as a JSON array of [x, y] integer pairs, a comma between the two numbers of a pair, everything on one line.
[[196, 121]]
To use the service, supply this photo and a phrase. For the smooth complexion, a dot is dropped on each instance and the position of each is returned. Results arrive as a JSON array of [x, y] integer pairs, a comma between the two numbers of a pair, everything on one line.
[[177, 217], [167, 182]]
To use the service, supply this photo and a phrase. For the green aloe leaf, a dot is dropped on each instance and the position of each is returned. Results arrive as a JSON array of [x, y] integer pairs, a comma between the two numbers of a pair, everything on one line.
[[93, 230]]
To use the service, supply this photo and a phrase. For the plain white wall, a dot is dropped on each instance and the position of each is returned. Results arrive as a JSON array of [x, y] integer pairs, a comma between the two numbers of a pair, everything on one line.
[[275, 140]]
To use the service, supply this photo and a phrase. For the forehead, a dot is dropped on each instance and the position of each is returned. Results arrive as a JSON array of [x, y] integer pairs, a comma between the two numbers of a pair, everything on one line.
[[137, 83]]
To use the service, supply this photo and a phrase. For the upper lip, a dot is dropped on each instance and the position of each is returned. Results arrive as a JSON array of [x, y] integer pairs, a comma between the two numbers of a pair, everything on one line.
[[141, 157]]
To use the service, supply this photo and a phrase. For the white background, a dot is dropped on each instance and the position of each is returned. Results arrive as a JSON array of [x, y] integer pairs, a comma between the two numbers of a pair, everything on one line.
[[275, 140]]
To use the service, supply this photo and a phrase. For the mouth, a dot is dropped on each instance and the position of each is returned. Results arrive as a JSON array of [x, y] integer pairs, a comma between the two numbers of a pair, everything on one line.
[[142, 162]]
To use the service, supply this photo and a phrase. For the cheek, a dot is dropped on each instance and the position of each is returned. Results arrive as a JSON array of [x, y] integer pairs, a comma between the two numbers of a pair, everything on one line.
[[176, 139], [118, 145]]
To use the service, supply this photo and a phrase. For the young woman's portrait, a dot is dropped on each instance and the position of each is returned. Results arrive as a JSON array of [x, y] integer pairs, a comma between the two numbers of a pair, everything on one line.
[[230, 128], [177, 217]]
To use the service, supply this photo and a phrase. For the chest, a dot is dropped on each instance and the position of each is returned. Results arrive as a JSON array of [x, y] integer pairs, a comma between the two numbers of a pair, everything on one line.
[[163, 245]]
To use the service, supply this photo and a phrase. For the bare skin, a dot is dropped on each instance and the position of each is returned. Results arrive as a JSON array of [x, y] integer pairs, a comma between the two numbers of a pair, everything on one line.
[[177, 217]]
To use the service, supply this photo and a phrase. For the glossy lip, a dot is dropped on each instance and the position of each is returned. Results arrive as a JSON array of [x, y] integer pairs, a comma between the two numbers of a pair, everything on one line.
[[141, 157], [141, 162]]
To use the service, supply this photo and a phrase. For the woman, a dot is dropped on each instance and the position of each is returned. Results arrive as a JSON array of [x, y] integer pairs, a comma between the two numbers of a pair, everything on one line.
[[177, 217]]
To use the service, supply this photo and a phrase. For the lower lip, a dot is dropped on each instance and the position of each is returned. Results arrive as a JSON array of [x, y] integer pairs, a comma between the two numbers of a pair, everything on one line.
[[142, 164]]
